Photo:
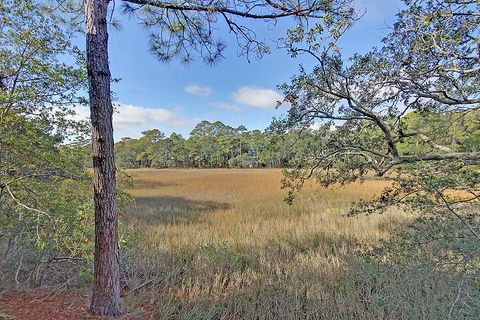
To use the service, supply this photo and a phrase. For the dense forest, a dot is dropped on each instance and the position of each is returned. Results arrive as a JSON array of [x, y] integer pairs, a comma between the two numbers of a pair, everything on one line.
[[209, 145], [216, 145]]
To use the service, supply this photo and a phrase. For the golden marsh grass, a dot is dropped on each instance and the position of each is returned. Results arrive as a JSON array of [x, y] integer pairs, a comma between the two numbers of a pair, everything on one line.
[[221, 243]]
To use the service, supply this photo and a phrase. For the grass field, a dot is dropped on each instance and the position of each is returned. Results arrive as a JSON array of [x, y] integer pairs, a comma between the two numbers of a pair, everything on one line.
[[221, 244]]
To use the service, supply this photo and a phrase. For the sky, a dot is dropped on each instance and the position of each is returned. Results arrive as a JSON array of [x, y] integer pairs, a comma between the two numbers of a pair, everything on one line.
[[174, 97]]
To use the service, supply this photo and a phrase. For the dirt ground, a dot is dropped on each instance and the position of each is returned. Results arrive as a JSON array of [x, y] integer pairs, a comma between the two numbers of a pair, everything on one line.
[[39, 305]]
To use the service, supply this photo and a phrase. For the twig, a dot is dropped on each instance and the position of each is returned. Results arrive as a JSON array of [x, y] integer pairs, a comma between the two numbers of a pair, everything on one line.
[[23, 205], [140, 286], [465, 223], [18, 269], [460, 285]]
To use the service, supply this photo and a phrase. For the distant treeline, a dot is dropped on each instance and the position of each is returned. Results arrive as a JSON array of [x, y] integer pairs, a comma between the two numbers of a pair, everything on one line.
[[210, 145], [216, 145]]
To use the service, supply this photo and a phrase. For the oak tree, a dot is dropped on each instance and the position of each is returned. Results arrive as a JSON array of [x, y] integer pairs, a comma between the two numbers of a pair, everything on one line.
[[390, 113]]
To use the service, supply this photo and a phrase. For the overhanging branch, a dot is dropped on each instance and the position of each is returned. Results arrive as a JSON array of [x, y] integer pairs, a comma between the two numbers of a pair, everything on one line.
[[282, 11]]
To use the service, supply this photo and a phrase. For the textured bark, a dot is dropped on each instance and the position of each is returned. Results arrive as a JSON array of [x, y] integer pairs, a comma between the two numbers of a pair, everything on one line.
[[106, 286]]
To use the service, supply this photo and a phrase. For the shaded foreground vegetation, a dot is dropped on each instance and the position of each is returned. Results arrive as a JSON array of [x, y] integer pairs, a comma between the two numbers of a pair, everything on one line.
[[220, 244]]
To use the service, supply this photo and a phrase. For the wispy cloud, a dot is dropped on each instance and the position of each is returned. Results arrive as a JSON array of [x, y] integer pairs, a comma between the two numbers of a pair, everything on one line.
[[257, 97], [203, 91], [127, 115], [131, 120], [227, 106], [130, 115]]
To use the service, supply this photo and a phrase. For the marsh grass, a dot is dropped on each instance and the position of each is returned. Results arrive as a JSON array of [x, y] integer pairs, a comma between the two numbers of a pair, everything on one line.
[[221, 244]]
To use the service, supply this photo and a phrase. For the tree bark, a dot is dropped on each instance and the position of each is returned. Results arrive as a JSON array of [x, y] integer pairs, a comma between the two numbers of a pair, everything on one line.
[[106, 286]]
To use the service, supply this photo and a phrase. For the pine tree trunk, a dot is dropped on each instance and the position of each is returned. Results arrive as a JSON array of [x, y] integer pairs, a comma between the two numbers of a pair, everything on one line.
[[106, 286]]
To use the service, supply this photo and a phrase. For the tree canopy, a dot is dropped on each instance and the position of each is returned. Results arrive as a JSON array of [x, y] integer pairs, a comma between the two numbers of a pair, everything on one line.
[[45, 199], [214, 145]]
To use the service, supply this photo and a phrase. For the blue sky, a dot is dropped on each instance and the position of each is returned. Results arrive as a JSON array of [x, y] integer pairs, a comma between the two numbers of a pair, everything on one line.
[[174, 96]]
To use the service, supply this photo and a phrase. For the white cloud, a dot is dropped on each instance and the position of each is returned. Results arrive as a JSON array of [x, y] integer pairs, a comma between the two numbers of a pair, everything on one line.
[[128, 115], [257, 97], [82, 113], [197, 90], [130, 120], [315, 126]]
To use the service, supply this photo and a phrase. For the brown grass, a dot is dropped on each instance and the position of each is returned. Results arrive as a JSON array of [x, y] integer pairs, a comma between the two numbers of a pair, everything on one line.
[[221, 243]]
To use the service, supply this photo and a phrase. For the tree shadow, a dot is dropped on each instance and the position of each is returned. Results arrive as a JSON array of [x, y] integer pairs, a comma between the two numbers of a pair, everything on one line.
[[172, 210], [145, 184]]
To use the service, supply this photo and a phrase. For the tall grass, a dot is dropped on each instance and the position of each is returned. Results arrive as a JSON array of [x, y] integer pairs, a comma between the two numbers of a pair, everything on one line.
[[221, 244]]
